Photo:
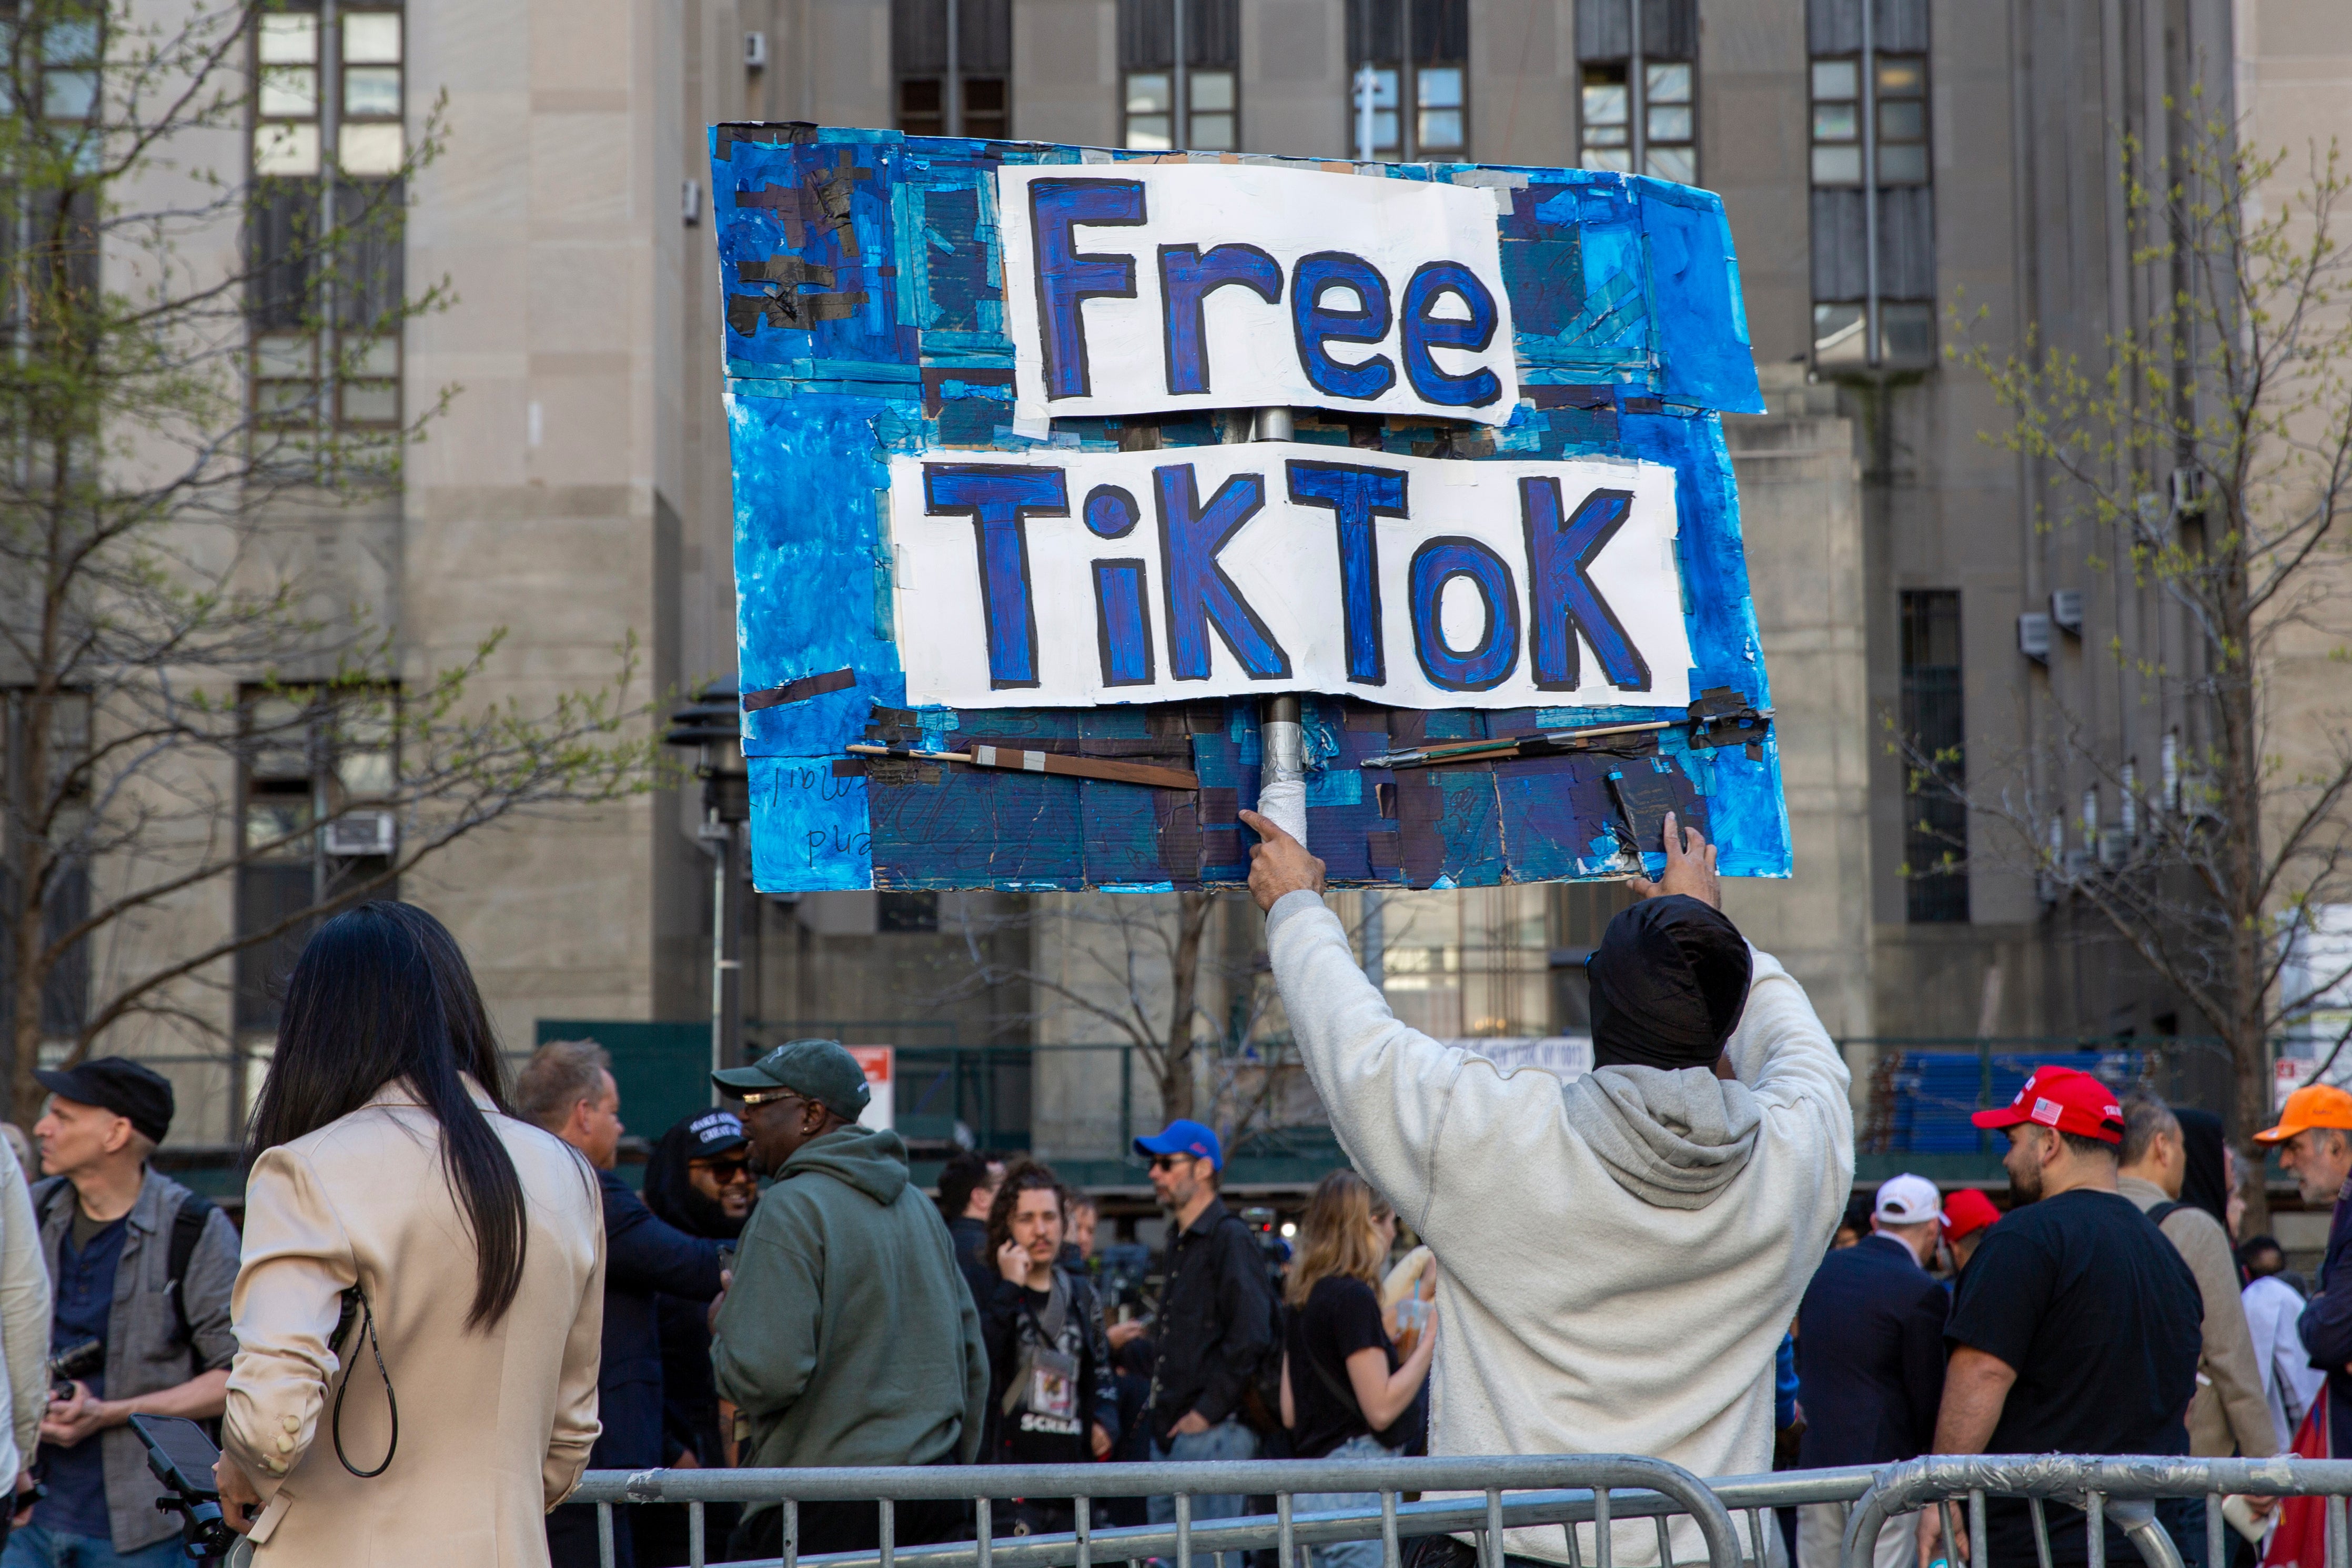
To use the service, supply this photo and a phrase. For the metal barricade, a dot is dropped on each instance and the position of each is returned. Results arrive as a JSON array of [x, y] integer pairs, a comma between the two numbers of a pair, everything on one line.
[[1502, 1494], [2125, 1489]]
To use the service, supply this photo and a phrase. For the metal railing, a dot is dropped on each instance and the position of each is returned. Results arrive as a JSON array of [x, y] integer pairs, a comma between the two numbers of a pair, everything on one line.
[[1488, 1500], [1493, 1496], [2124, 1490]]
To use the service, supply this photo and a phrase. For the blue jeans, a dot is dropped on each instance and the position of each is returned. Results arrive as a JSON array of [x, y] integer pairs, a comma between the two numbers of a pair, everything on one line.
[[1345, 1553], [30, 1546], [1228, 1439]]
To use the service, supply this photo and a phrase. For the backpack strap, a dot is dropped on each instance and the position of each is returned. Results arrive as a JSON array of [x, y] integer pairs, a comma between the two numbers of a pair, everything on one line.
[[187, 1229], [2163, 1211]]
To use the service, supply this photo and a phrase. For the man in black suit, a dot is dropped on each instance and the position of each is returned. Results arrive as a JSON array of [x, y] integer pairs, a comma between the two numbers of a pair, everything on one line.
[[1870, 1363]]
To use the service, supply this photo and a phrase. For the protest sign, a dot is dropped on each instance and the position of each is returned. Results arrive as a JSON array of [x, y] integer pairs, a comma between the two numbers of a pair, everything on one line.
[[1013, 577]]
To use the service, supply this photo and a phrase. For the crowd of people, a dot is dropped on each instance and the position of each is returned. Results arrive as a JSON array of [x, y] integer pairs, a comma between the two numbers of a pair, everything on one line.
[[446, 1303]]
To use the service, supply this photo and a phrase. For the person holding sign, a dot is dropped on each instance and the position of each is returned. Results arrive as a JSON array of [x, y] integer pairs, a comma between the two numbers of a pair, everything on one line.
[[1618, 1255]]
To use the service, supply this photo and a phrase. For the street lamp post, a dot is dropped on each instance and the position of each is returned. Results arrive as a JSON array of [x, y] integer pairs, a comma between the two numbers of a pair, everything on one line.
[[712, 726]]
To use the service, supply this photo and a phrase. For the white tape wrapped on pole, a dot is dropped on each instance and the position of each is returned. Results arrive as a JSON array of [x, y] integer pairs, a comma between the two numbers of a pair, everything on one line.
[[1282, 773]]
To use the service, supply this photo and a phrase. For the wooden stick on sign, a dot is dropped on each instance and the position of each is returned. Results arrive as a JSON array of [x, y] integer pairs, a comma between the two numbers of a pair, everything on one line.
[[1018, 761]]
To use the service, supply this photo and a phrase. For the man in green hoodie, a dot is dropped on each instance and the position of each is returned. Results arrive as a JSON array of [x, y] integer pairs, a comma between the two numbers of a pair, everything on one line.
[[843, 1253]]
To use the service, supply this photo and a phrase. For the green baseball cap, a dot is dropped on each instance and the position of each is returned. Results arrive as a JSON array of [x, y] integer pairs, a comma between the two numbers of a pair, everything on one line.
[[819, 1069]]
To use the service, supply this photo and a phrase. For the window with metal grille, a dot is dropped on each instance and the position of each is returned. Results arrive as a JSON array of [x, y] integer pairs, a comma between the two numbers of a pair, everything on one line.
[[1872, 193], [1193, 103], [1934, 820], [326, 339], [953, 60], [1637, 86], [1408, 61]]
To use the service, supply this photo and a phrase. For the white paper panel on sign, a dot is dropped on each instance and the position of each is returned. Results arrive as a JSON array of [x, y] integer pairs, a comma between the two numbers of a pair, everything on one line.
[[1059, 579], [1137, 287]]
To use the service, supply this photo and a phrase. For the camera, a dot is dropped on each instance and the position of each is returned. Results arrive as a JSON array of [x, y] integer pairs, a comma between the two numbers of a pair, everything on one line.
[[182, 1457], [74, 1362]]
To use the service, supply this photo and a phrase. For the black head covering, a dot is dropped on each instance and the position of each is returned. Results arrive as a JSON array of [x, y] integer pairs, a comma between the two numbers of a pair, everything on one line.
[[670, 1192], [2206, 1183], [1669, 981]]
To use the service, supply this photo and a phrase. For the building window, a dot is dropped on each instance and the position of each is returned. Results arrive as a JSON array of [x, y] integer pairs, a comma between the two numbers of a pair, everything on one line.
[[1872, 199], [1194, 106], [963, 90], [312, 763], [1409, 59], [1934, 820], [1637, 97], [326, 327], [68, 59]]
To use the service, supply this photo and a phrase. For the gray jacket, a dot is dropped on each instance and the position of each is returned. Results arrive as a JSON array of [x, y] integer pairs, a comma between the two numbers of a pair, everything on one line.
[[145, 1350]]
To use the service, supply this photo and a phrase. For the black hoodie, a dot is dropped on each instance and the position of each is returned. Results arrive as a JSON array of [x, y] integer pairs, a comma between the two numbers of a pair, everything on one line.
[[689, 1402]]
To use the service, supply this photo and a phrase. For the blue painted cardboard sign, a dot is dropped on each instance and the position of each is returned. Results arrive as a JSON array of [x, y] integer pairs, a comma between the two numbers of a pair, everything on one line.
[[945, 543]]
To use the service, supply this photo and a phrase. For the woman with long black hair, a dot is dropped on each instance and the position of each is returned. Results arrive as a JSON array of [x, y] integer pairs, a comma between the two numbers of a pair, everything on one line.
[[418, 1311]]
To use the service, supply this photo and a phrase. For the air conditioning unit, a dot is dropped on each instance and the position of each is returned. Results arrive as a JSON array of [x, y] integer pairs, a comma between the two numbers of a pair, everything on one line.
[[362, 833], [755, 51], [2066, 610], [2033, 637], [2192, 492]]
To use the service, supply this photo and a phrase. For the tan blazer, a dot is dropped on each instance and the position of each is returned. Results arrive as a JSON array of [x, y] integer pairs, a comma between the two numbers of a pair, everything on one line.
[[494, 1425]]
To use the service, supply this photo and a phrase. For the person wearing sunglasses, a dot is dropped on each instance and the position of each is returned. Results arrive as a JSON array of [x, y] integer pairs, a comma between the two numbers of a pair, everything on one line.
[[699, 1182], [1219, 1347], [847, 1335]]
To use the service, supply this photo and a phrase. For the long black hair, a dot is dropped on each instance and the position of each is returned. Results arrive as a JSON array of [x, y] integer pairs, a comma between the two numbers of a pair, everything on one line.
[[381, 992]]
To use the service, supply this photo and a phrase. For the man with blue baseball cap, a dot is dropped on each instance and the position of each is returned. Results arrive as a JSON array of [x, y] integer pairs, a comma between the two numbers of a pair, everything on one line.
[[1215, 1319]]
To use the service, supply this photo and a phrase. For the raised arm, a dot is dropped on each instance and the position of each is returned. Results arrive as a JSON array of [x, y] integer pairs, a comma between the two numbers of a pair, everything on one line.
[[1384, 1084]]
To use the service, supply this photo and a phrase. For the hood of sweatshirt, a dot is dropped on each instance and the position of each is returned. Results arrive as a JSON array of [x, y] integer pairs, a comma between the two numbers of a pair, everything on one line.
[[1673, 1139], [871, 1159]]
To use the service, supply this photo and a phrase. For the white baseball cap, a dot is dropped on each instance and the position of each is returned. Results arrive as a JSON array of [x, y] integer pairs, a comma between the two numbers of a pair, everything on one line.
[[1907, 1200]]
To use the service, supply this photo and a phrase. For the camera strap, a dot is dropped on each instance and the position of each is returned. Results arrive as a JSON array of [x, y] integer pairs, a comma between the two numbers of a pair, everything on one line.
[[356, 1300]]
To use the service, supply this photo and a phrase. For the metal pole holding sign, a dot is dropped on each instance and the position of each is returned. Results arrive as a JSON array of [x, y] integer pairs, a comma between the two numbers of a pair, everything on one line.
[[1282, 771]]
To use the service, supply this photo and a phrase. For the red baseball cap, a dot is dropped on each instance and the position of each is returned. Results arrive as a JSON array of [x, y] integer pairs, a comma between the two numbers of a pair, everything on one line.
[[1966, 1212], [2065, 1099]]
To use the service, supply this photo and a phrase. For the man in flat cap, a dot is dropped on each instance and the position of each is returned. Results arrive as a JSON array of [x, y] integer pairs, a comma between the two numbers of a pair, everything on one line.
[[1618, 1256], [142, 1269], [844, 1253]]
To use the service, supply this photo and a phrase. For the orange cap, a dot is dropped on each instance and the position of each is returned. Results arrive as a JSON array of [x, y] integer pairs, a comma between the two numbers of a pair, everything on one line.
[[2313, 1105]]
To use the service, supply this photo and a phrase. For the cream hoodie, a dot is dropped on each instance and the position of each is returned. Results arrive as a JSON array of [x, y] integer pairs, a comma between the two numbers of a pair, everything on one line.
[[1618, 1256]]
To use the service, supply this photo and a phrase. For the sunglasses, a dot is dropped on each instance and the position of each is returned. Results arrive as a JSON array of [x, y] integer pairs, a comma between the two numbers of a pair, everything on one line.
[[770, 1096], [1170, 1161], [725, 1171]]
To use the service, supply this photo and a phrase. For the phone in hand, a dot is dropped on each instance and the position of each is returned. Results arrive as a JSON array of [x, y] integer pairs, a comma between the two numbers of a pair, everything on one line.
[[182, 1455]]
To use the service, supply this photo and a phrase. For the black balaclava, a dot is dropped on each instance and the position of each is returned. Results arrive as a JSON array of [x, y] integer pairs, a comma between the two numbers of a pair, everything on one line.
[[1668, 983], [671, 1193], [2205, 1184]]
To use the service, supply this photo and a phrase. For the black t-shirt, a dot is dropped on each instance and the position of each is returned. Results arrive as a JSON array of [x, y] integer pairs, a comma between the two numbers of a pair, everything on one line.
[[1057, 1433], [2083, 1295], [1341, 1317]]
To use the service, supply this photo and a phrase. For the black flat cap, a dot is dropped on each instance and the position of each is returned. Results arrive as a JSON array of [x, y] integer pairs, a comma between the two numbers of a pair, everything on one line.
[[119, 1084]]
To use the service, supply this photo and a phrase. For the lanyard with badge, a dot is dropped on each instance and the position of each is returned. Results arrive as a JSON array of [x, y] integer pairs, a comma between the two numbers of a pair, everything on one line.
[[1046, 1383]]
